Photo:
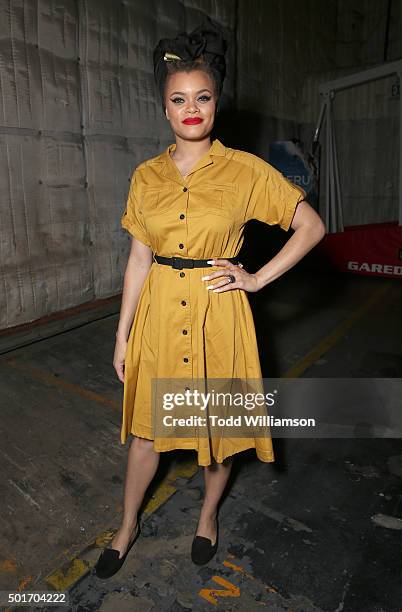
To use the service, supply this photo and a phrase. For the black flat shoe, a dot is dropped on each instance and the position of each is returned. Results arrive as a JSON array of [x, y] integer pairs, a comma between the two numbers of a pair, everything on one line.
[[202, 550], [109, 563]]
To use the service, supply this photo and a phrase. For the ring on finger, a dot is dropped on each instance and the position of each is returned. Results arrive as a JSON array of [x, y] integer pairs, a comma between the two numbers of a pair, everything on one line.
[[232, 279]]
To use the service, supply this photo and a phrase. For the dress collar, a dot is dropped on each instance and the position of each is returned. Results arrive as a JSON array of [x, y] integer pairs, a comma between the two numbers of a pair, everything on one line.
[[170, 169], [216, 148]]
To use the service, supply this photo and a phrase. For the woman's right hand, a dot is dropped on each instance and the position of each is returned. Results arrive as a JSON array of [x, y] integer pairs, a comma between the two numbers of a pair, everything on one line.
[[119, 357]]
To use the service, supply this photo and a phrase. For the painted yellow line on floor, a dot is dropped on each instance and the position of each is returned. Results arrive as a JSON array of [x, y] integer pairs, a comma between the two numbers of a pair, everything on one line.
[[65, 577], [166, 489], [240, 568], [212, 594], [74, 569], [333, 337], [56, 381]]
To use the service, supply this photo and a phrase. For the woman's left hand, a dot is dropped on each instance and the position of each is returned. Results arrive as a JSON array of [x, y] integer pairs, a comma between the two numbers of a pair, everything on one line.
[[244, 280]]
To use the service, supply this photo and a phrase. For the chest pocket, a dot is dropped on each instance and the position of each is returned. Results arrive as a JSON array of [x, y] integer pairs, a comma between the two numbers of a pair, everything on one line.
[[220, 198], [157, 199]]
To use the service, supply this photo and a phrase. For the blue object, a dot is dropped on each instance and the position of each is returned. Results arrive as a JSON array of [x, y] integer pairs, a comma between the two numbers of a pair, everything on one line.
[[287, 157]]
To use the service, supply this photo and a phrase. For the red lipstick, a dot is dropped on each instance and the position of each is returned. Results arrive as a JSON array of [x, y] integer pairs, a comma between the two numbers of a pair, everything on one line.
[[193, 121]]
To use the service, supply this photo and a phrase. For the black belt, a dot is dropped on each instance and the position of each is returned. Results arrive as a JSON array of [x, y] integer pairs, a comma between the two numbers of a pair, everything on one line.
[[180, 262]]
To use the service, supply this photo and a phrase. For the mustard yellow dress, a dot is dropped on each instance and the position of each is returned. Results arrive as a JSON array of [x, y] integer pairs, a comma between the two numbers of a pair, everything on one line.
[[181, 329]]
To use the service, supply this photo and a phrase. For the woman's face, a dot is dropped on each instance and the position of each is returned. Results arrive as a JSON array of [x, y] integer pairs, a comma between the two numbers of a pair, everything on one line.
[[190, 104]]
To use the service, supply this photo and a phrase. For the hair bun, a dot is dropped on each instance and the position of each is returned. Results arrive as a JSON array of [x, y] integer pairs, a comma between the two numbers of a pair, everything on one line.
[[206, 40]]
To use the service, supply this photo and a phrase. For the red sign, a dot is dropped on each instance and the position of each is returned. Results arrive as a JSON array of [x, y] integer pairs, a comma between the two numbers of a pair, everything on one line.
[[375, 249]]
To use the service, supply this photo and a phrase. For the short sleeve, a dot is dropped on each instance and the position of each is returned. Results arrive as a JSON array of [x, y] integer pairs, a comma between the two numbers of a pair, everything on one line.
[[132, 218], [273, 197]]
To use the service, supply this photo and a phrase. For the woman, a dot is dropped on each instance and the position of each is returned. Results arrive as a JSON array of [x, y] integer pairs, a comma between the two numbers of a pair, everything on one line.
[[188, 206]]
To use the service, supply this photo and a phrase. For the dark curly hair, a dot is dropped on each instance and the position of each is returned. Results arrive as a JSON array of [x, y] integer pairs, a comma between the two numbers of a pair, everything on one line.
[[204, 48]]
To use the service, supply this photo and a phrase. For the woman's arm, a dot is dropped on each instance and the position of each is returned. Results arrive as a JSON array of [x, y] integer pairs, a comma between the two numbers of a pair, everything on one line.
[[309, 230], [138, 264]]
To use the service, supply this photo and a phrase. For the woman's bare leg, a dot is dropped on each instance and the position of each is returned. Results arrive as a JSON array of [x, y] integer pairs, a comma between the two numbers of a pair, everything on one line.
[[216, 476], [142, 464]]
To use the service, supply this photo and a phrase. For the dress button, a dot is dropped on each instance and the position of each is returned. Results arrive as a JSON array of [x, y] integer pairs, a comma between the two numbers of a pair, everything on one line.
[[183, 302], [181, 245], [185, 332], [182, 274], [182, 216], [184, 188], [185, 359]]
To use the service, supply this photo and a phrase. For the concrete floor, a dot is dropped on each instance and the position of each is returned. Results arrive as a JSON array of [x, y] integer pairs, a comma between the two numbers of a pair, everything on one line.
[[317, 530]]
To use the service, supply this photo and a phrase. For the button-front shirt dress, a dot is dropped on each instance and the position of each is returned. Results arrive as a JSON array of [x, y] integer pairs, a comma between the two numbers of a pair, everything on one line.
[[182, 330]]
